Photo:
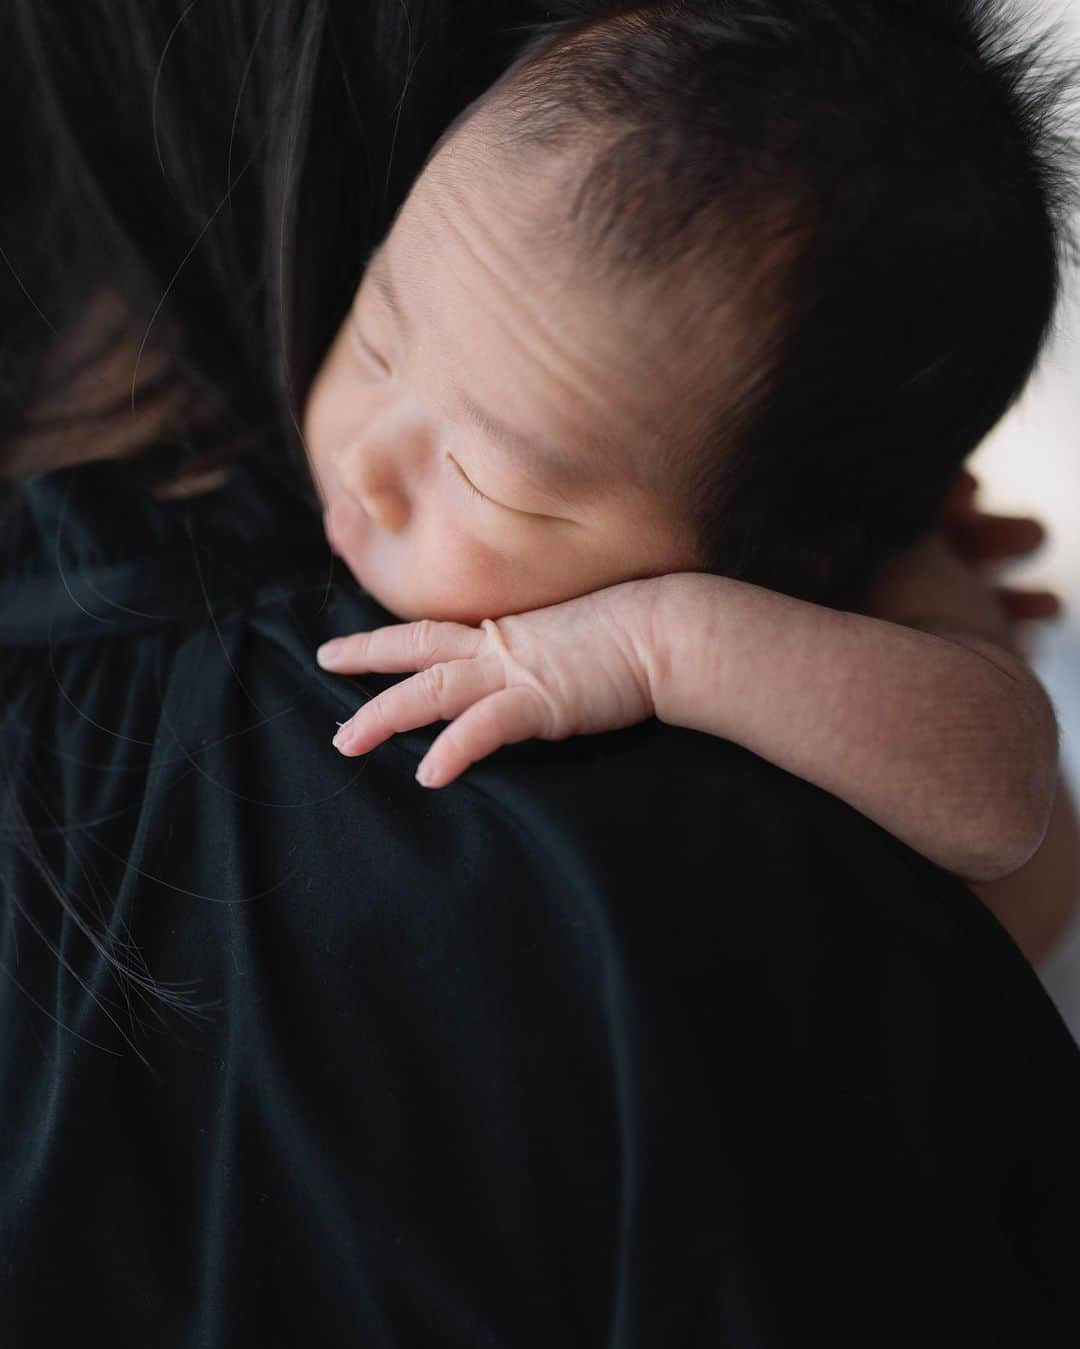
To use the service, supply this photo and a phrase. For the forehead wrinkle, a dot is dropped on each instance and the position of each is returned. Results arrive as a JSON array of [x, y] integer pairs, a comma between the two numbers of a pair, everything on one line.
[[560, 468], [379, 277], [551, 358]]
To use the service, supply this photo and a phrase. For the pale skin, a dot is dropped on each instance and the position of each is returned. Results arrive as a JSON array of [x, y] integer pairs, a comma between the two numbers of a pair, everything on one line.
[[546, 599]]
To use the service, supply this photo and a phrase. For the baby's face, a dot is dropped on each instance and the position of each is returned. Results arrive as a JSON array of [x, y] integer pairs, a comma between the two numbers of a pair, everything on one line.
[[486, 436]]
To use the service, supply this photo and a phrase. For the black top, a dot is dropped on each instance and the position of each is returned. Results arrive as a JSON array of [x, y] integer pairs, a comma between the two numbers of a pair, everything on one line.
[[630, 1041]]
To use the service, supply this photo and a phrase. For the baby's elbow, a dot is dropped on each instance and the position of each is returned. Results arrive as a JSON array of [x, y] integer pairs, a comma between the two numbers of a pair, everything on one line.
[[1006, 836], [1009, 826], [994, 857]]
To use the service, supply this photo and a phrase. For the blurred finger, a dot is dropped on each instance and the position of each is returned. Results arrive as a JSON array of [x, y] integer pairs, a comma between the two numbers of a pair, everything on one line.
[[436, 694], [400, 646], [995, 538], [1029, 605], [504, 718], [961, 495]]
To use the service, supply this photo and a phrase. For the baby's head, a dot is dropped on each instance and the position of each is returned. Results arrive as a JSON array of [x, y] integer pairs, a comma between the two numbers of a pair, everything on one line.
[[702, 286]]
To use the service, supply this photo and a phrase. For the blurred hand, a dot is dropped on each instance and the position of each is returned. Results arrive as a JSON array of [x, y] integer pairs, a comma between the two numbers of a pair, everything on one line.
[[943, 580], [982, 538]]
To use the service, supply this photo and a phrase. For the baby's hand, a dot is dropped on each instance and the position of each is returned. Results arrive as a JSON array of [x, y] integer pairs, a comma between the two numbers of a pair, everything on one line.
[[942, 580], [574, 668]]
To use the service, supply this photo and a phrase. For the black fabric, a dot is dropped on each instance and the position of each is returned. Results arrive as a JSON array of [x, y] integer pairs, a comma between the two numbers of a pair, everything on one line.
[[631, 1041]]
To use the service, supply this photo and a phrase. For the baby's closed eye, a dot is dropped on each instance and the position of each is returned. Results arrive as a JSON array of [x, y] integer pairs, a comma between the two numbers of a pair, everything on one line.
[[467, 483]]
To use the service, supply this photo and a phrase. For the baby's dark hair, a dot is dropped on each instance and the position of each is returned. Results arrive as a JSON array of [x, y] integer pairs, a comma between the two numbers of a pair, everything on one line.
[[884, 185]]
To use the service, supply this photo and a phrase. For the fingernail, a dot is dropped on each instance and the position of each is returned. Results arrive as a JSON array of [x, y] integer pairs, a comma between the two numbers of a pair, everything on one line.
[[424, 775], [343, 736], [327, 653]]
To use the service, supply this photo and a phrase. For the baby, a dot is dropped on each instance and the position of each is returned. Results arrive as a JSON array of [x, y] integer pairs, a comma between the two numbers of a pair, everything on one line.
[[695, 307]]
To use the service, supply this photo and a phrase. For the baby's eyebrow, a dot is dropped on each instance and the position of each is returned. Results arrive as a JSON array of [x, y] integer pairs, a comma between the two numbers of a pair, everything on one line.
[[549, 461]]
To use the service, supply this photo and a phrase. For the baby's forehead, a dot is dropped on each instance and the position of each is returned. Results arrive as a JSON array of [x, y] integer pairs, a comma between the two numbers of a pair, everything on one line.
[[647, 334]]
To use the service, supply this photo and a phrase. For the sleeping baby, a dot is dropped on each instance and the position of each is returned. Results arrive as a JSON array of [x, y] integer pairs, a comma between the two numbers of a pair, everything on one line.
[[653, 401]]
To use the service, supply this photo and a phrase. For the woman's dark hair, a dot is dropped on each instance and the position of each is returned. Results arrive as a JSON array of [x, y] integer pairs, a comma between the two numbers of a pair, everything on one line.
[[206, 179], [212, 175], [203, 180]]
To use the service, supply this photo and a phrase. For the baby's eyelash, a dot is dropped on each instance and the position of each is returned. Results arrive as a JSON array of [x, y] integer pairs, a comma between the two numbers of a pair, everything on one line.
[[468, 484]]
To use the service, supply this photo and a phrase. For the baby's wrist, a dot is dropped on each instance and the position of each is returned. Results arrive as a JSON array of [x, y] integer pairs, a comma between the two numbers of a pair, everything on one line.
[[690, 635]]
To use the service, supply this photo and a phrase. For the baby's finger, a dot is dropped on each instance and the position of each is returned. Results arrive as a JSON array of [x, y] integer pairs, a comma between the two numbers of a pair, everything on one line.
[[996, 538], [1029, 605], [400, 646], [436, 694], [961, 495], [510, 715]]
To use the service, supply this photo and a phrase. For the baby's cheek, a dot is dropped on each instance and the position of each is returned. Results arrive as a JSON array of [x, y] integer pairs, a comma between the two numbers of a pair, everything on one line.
[[482, 581], [467, 579], [327, 409]]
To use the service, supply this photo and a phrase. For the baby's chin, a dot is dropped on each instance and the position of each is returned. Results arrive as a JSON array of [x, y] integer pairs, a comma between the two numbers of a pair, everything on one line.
[[346, 548]]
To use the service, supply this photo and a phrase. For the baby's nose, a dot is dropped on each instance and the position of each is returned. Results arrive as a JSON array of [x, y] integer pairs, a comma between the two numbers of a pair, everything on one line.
[[369, 475]]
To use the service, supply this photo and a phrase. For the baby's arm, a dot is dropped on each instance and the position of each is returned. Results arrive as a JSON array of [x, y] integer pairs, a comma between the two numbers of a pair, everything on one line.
[[936, 731], [948, 741], [940, 731], [928, 721]]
